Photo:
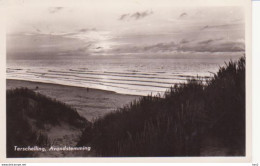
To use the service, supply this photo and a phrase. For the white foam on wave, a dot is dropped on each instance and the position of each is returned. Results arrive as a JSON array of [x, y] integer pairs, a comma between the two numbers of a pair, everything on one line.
[[135, 78]]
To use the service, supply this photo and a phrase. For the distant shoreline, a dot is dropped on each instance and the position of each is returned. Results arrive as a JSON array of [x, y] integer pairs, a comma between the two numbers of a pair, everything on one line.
[[90, 103], [57, 84]]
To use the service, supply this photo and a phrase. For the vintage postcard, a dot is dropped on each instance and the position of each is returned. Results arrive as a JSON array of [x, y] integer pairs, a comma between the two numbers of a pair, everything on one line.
[[113, 80]]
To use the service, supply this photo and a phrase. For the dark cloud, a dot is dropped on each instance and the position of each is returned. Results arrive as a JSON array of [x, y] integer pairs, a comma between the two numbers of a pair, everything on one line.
[[209, 41], [139, 15], [211, 45], [87, 29], [77, 32], [135, 16], [206, 41], [162, 47], [159, 47], [182, 15], [55, 9], [98, 48], [214, 26], [223, 26], [123, 16]]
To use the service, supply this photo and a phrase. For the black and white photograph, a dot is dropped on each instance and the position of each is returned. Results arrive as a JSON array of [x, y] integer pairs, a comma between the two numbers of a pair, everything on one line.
[[127, 79]]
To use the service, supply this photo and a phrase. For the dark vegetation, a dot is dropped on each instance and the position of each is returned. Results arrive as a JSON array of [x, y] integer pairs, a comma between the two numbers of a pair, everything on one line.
[[180, 122], [30, 114]]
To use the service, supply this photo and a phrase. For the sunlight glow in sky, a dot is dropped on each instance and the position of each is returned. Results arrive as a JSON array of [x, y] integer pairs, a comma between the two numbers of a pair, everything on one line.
[[146, 28]]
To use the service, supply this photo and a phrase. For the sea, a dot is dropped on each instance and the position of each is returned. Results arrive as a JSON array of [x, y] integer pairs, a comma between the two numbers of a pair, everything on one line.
[[134, 76]]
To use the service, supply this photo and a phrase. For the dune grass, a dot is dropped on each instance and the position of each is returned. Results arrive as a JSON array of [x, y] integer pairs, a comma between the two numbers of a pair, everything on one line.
[[178, 123], [30, 115]]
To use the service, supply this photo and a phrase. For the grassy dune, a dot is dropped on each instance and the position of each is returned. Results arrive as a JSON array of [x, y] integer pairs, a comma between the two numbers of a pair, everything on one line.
[[191, 119], [31, 115]]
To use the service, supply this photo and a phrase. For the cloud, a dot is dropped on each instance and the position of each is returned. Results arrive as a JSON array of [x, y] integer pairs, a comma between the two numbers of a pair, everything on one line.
[[182, 15], [215, 26], [46, 45], [135, 16], [222, 26], [214, 45], [84, 48], [209, 41], [210, 45], [159, 47], [75, 33], [206, 41], [139, 15], [37, 29], [162, 47], [123, 16], [205, 27], [183, 41], [86, 29], [53, 10]]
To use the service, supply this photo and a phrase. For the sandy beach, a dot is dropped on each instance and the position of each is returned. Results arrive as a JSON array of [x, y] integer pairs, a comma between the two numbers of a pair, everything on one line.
[[90, 103]]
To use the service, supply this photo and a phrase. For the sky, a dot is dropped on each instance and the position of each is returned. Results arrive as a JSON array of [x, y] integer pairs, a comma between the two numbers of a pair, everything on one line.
[[127, 29]]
